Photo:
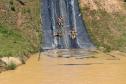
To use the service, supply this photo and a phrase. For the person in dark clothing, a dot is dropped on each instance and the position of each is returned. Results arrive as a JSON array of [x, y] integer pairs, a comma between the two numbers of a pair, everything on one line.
[[58, 34], [73, 35]]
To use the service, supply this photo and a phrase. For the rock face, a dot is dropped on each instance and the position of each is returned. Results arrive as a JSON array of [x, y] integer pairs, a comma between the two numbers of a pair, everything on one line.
[[9, 60], [5, 61], [2, 66]]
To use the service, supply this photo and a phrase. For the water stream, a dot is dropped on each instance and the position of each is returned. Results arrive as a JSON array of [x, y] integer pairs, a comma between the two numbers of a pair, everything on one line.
[[69, 10]]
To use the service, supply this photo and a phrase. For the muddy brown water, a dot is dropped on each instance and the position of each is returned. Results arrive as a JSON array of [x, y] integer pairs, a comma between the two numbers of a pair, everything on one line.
[[57, 70]]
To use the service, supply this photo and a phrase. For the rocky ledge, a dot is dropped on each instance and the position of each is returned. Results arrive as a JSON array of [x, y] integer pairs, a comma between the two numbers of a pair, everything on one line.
[[10, 63]]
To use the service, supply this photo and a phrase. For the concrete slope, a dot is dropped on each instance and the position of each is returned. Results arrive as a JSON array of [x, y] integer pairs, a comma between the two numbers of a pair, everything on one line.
[[69, 11]]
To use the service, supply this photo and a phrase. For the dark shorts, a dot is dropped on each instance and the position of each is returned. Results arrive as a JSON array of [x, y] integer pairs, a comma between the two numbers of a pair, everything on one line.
[[74, 43]]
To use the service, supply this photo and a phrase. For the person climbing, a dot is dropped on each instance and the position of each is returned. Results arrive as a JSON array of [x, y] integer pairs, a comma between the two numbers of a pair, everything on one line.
[[73, 40], [60, 21], [73, 33], [58, 34]]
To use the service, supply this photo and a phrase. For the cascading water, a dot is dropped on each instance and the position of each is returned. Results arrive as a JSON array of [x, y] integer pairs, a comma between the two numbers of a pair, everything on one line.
[[68, 9]]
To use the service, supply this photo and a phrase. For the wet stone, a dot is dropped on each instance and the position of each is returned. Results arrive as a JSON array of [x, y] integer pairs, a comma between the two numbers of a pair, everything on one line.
[[68, 53]]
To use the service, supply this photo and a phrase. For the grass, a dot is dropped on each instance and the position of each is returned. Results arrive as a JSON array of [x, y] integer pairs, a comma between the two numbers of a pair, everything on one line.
[[22, 40], [107, 30], [12, 43], [11, 66]]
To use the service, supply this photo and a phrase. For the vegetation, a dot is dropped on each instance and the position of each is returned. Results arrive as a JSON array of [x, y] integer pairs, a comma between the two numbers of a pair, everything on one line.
[[12, 43], [11, 66], [19, 27], [107, 30]]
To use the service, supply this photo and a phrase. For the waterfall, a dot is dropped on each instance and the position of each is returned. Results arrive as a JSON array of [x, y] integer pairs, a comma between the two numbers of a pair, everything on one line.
[[69, 10]]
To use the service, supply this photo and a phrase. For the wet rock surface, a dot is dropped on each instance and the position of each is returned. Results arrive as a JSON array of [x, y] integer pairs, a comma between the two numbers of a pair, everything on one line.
[[14, 60], [5, 61], [70, 53], [72, 21]]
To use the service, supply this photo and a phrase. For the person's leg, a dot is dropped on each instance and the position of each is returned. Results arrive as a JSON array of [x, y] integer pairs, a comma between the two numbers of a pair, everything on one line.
[[58, 45], [74, 43]]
